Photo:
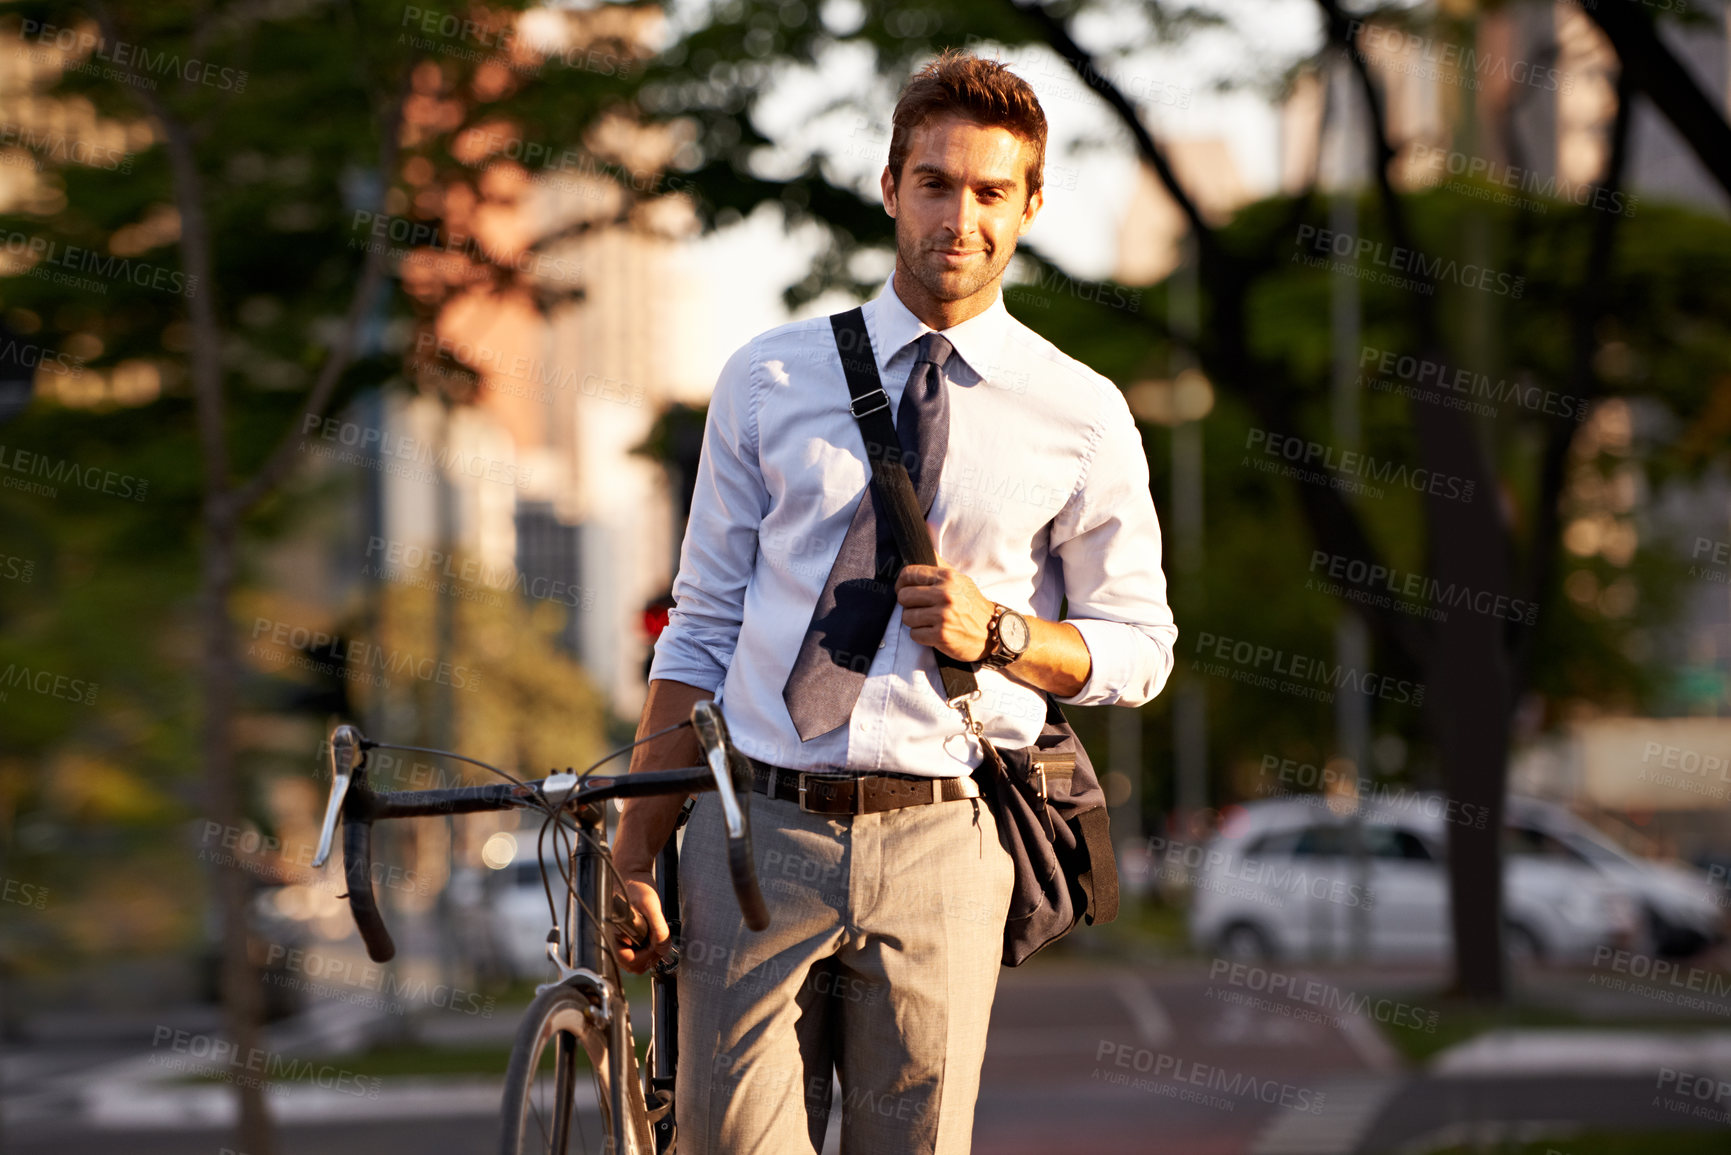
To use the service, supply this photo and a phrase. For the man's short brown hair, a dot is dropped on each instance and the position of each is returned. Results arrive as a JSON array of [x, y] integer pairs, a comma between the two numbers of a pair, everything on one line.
[[983, 91]]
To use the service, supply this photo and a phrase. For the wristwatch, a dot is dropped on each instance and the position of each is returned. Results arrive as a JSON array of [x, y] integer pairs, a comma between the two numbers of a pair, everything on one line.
[[1006, 637]]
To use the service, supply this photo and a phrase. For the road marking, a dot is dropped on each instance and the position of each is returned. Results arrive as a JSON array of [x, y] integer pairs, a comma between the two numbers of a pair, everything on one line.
[[1584, 1052], [1488, 1134], [1244, 1026], [1153, 1024], [1367, 1043], [1349, 1107], [159, 1106]]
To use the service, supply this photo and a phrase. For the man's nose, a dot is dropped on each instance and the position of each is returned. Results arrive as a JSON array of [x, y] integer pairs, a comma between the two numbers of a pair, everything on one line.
[[964, 215]]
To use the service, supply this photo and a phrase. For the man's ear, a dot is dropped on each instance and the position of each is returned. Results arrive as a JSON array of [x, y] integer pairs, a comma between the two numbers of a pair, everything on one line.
[[888, 184], [1029, 212]]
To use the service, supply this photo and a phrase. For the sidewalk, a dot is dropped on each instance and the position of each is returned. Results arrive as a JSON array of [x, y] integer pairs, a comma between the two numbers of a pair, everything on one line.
[[1509, 1085]]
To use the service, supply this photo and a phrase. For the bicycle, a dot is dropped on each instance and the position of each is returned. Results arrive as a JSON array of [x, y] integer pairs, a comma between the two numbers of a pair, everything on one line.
[[585, 1005]]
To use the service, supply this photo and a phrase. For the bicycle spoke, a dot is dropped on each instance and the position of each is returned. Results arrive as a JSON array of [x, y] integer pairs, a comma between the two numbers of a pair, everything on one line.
[[555, 1118]]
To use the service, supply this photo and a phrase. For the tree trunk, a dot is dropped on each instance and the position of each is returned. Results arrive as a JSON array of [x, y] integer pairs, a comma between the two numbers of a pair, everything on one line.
[[1468, 706], [242, 1000]]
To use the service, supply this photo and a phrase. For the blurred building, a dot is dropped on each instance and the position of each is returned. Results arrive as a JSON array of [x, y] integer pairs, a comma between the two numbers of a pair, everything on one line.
[[585, 521], [1670, 776], [1153, 228], [567, 393]]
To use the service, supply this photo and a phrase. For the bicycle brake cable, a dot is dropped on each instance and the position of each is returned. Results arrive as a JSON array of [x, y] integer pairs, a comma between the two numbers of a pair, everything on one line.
[[626, 749], [515, 781], [560, 857], [541, 861]]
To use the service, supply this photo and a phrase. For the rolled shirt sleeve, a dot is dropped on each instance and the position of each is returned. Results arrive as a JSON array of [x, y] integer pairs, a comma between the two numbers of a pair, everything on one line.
[[1107, 539], [720, 548]]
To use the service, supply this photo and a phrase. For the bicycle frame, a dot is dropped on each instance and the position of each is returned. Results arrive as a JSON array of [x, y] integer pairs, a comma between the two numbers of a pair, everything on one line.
[[664, 998], [577, 948]]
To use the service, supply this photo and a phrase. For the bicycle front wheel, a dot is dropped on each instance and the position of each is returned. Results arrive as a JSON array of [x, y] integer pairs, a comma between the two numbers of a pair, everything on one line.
[[557, 1099]]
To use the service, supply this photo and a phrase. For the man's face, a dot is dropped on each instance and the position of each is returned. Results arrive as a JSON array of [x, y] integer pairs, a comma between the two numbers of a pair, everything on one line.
[[960, 205]]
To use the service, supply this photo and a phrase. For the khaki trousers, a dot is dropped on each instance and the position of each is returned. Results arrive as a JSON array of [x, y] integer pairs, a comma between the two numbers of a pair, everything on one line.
[[880, 961]]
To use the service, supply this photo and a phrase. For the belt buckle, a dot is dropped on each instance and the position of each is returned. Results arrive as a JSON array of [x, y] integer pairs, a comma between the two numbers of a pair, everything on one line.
[[858, 794], [804, 809]]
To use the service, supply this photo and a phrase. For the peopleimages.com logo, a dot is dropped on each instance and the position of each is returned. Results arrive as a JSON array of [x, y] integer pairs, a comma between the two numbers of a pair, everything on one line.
[[1529, 181], [132, 63], [352, 657], [1347, 467], [46, 145], [1422, 379], [1263, 665], [53, 257], [1387, 586], [1347, 254], [1427, 58]]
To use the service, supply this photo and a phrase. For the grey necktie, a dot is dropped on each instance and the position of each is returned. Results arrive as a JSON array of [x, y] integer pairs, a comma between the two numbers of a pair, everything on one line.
[[858, 599]]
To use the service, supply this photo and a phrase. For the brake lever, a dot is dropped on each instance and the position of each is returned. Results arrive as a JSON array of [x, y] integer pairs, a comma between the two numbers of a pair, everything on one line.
[[711, 734], [348, 754]]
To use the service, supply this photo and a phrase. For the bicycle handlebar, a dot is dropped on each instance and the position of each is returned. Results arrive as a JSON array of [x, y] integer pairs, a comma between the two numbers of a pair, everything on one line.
[[733, 783], [725, 771], [358, 870]]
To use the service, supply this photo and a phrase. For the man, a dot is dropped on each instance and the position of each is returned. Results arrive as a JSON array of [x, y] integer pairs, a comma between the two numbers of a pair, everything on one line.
[[887, 890]]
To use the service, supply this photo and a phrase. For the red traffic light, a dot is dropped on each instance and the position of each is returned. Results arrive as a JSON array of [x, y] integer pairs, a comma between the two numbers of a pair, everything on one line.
[[655, 616]]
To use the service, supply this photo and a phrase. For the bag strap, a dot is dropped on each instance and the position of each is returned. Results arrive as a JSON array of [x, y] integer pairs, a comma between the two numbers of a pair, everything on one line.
[[1100, 881], [870, 406]]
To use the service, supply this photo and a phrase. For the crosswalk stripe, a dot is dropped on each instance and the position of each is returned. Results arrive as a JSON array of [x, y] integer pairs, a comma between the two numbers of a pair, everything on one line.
[[1350, 1106]]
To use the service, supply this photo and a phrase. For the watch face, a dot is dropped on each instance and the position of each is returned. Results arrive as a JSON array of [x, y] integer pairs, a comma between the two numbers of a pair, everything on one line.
[[1013, 631]]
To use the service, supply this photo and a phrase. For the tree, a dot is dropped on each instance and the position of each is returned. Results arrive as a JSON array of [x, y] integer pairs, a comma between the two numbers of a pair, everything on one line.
[[229, 252]]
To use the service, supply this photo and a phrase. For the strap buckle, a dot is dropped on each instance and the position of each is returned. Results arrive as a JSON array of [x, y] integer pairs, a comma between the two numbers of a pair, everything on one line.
[[970, 725], [853, 406]]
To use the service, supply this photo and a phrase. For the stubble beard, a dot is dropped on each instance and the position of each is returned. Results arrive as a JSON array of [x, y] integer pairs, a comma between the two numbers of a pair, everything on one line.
[[942, 286]]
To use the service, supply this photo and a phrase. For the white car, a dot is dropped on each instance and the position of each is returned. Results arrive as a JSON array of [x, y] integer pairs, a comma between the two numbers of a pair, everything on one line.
[[504, 917], [1281, 881], [1680, 905]]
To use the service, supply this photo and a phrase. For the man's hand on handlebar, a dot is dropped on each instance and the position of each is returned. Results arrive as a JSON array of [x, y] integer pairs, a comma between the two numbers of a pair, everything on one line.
[[640, 892], [645, 824]]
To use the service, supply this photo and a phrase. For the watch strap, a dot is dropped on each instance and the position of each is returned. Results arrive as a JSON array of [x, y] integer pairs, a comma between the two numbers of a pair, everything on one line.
[[996, 656]]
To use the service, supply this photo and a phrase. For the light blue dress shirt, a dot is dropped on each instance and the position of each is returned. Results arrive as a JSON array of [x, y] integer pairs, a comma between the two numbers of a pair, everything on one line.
[[1043, 502]]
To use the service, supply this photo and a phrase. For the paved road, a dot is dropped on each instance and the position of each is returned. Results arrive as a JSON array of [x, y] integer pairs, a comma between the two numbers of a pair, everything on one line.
[[1081, 1058], [1135, 1060], [1154, 1062]]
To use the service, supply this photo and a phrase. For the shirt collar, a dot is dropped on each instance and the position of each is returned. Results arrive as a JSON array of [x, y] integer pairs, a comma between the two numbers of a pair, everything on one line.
[[977, 340]]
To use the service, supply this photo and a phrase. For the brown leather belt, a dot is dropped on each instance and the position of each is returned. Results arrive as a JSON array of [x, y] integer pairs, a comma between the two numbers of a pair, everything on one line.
[[856, 793]]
